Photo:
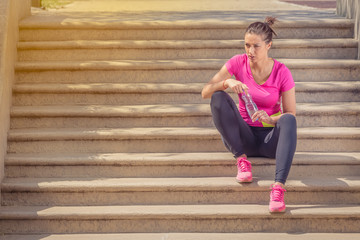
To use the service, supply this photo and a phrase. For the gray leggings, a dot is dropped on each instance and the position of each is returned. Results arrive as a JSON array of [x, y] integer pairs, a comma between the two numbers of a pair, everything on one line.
[[277, 142]]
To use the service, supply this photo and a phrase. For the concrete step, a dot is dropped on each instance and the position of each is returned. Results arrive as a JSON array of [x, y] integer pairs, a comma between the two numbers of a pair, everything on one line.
[[170, 179], [155, 191], [176, 49], [182, 236], [178, 218], [164, 93], [322, 92], [186, 70], [167, 115], [147, 165], [189, 139], [65, 28]]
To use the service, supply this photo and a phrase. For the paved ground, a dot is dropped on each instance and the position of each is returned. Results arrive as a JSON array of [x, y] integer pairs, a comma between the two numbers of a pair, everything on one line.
[[315, 4], [186, 10], [191, 5]]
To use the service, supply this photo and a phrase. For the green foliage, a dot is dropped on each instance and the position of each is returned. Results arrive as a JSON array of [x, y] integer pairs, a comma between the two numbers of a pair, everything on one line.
[[54, 3]]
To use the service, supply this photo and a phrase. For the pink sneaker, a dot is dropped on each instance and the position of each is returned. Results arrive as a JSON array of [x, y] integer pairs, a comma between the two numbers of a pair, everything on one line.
[[244, 170], [277, 203]]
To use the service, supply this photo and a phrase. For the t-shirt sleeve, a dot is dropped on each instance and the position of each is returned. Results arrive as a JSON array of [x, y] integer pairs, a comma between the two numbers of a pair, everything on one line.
[[287, 82], [232, 65]]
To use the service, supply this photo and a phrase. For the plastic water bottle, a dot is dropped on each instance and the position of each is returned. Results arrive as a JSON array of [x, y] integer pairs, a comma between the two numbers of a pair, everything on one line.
[[251, 107]]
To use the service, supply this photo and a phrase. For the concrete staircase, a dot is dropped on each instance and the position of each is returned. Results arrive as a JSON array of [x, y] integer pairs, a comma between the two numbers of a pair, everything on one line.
[[110, 138]]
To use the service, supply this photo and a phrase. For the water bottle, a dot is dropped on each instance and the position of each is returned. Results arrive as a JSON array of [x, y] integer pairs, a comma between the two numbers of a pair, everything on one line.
[[250, 106]]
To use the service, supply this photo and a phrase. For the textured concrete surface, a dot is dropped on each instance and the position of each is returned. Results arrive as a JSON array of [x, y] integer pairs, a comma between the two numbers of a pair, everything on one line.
[[166, 191], [165, 49], [193, 236], [11, 12], [152, 93], [221, 164], [176, 5], [189, 139], [83, 133], [174, 115], [350, 9], [190, 218], [321, 4], [187, 70]]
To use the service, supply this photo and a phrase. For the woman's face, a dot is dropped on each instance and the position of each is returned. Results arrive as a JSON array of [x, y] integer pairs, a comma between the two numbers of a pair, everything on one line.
[[255, 47]]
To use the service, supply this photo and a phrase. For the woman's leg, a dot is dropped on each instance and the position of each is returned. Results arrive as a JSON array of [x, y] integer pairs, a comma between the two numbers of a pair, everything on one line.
[[283, 139], [235, 132], [281, 144]]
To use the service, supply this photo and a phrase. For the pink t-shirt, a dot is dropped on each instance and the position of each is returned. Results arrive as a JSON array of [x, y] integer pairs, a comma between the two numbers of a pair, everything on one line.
[[266, 96]]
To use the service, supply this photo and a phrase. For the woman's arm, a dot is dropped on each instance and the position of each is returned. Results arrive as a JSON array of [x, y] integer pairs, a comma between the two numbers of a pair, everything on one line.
[[216, 83], [221, 81], [288, 104], [289, 101]]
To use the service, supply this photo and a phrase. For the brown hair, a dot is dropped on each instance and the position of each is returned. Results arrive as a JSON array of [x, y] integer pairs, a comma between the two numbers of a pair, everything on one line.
[[263, 28]]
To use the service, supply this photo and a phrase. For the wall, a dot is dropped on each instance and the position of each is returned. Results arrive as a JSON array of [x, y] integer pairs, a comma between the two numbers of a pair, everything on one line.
[[11, 11], [350, 9], [36, 3]]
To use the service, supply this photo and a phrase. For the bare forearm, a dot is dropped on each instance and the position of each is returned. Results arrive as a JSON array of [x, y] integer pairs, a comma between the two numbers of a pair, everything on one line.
[[210, 88], [216, 83]]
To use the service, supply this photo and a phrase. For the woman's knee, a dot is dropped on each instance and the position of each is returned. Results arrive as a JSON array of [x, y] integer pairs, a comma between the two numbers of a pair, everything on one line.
[[217, 98], [288, 119], [218, 95]]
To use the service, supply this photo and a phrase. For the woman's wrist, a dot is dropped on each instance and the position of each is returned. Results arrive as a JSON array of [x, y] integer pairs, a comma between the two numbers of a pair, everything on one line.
[[224, 84], [273, 122], [274, 119]]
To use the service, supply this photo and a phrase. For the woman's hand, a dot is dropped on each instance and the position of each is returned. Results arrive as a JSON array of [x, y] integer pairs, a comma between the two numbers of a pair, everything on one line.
[[262, 116], [237, 86], [216, 83]]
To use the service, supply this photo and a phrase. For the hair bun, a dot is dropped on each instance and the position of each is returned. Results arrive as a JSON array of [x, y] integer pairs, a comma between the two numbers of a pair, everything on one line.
[[270, 20]]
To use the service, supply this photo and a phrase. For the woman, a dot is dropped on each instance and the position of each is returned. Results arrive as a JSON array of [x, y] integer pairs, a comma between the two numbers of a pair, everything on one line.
[[270, 131]]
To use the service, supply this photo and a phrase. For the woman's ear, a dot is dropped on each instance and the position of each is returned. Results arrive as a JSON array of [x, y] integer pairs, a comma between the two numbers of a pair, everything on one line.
[[268, 46]]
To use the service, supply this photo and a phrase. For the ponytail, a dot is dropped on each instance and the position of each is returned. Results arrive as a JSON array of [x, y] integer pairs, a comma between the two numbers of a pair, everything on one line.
[[263, 28]]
